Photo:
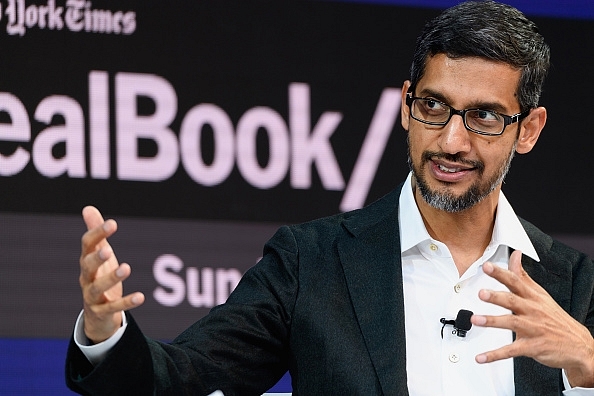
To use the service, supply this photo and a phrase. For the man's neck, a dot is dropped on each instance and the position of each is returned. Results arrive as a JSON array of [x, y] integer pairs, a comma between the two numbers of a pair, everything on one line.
[[467, 233]]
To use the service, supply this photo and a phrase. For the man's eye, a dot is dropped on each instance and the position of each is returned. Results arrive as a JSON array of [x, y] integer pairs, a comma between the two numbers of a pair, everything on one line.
[[434, 105], [485, 115]]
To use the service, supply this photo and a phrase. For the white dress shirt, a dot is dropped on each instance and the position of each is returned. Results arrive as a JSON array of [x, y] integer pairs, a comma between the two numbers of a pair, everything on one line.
[[433, 290]]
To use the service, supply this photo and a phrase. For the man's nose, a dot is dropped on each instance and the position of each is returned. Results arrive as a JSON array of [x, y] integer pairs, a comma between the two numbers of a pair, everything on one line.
[[454, 137]]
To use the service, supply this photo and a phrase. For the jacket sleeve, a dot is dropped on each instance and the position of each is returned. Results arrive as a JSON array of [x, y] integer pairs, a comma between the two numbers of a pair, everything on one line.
[[240, 347]]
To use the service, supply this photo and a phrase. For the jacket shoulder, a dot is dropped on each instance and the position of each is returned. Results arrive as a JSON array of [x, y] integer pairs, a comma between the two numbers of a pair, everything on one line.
[[547, 246], [359, 220]]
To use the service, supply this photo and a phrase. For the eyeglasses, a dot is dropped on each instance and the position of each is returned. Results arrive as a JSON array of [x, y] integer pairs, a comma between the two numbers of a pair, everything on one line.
[[484, 122]]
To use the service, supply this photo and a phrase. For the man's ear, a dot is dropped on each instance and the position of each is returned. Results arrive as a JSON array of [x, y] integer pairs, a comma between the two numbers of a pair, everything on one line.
[[530, 130], [404, 110]]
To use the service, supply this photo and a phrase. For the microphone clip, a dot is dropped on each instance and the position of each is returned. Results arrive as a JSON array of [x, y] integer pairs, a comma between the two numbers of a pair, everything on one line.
[[461, 325]]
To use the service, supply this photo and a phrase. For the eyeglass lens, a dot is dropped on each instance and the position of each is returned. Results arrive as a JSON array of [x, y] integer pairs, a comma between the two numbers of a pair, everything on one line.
[[437, 113]]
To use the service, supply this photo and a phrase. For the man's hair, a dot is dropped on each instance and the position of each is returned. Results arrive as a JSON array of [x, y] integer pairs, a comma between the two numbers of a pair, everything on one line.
[[490, 30]]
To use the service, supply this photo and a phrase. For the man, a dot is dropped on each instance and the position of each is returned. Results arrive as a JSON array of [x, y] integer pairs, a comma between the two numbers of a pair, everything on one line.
[[351, 304]]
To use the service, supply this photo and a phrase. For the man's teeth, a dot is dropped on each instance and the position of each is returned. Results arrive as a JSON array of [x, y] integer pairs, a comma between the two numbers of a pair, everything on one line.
[[450, 170]]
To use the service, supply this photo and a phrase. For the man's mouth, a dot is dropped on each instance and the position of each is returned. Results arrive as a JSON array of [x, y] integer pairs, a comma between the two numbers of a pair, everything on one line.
[[453, 166], [449, 169]]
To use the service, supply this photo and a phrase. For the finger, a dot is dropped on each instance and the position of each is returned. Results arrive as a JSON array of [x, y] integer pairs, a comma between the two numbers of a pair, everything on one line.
[[125, 303], [97, 228], [506, 277], [515, 263], [92, 217], [505, 352], [515, 323], [97, 236], [94, 292], [90, 263], [516, 267], [504, 299]]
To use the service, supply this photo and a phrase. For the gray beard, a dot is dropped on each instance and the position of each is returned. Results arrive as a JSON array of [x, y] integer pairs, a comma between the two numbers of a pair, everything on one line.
[[445, 200]]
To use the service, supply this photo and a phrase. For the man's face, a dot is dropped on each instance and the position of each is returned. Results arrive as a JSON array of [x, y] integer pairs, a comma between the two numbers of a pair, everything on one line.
[[453, 167]]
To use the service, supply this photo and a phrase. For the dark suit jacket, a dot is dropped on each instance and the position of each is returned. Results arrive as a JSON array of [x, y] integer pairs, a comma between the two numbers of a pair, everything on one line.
[[325, 302]]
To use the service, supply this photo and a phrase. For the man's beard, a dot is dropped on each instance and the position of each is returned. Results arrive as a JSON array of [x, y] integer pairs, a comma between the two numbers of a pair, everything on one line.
[[446, 200]]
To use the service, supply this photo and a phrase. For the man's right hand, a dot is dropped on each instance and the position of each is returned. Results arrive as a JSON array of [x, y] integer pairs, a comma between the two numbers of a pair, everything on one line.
[[101, 279]]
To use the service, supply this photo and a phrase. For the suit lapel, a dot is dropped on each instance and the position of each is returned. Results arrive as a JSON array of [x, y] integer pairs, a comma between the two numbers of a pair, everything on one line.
[[531, 377], [370, 257]]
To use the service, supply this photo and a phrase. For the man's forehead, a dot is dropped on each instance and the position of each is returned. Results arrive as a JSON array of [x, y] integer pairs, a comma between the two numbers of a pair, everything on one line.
[[471, 80]]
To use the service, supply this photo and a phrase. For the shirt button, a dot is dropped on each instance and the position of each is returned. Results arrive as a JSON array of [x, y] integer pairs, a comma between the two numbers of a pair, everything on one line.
[[454, 358], [458, 287], [433, 247]]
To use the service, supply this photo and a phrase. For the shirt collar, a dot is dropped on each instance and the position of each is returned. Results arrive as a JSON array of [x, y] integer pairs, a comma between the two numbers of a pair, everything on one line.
[[508, 230]]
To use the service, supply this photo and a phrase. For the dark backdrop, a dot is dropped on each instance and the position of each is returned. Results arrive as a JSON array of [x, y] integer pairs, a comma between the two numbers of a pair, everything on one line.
[[289, 111]]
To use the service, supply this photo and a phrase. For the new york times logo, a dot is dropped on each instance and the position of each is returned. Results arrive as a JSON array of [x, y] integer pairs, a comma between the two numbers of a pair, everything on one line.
[[75, 15]]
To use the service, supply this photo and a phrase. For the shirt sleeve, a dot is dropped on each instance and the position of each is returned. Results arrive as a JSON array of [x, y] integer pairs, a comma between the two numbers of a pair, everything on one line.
[[577, 391], [96, 353]]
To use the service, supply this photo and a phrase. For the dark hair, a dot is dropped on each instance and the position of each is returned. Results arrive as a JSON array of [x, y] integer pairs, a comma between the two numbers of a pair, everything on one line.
[[488, 30]]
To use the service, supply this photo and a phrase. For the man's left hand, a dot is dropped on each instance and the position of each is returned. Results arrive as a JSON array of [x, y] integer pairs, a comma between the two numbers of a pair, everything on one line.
[[544, 331]]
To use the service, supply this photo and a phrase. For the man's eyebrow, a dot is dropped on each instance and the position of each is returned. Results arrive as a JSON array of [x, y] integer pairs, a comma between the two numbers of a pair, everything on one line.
[[484, 105], [433, 94]]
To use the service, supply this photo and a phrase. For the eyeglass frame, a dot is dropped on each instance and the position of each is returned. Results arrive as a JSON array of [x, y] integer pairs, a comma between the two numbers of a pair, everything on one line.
[[507, 120]]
